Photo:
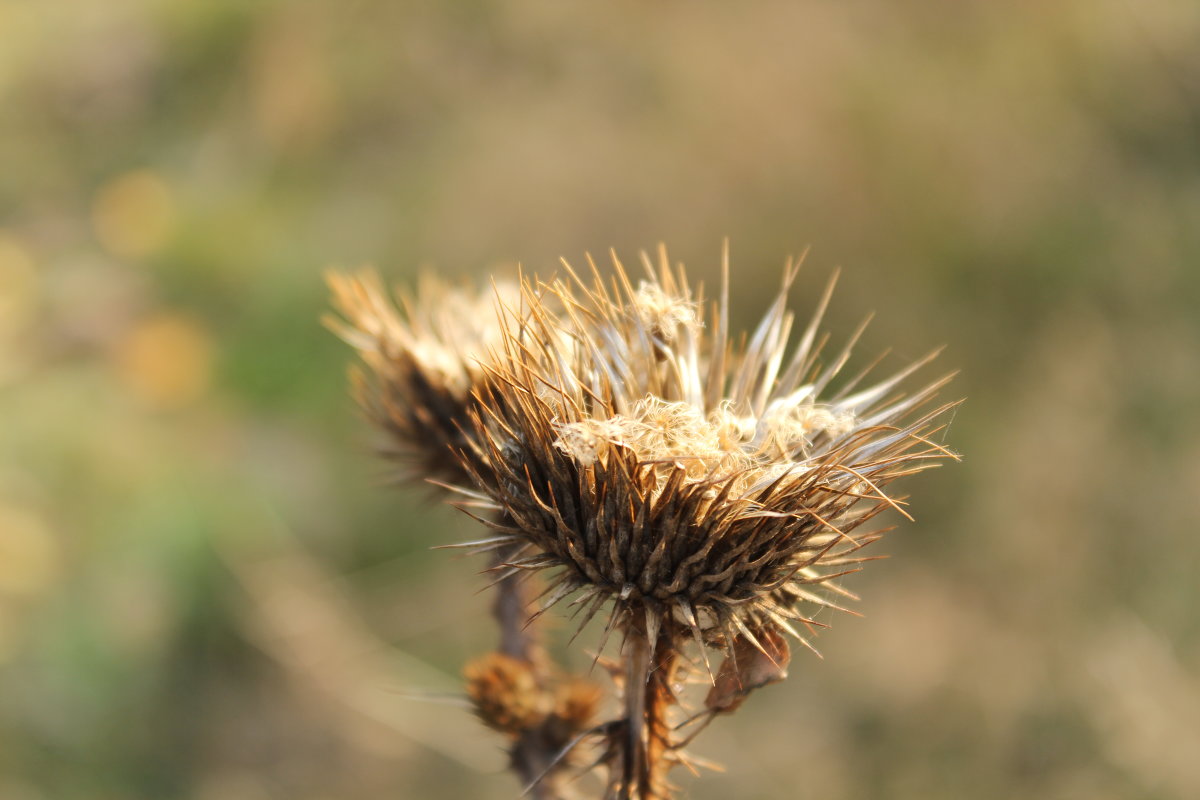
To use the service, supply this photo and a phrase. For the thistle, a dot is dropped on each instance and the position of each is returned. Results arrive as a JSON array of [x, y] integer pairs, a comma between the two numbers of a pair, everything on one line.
[[424, 355], [426, 360], [705, 492], [698, 487]]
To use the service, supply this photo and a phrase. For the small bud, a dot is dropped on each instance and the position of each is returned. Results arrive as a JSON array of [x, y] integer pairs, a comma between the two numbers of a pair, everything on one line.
[[505, 694]]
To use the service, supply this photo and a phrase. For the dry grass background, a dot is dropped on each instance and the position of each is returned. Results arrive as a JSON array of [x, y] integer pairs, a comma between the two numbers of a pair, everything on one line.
[[205, 593]]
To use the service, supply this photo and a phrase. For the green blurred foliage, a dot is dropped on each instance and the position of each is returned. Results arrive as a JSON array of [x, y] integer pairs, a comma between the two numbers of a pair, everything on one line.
[[207, 588]]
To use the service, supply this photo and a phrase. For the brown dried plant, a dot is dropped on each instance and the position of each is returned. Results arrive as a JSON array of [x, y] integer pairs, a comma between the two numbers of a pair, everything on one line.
[[425, 358], [424, 355], [706, 491]]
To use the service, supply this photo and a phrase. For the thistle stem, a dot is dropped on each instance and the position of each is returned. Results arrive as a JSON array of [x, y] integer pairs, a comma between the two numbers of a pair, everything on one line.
[[647, 749], [637, 675], [659, 699], [534, 750], [518, 638]]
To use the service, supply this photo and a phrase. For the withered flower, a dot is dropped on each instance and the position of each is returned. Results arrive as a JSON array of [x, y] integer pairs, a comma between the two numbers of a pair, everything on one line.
[[698, 486], [505, 693], [424, 355], [698, 483], [426, 367]]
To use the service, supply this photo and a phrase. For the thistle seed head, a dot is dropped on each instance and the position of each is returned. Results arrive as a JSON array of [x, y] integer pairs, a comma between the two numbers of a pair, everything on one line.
[[505, 694], [424, 357], [690, 481]]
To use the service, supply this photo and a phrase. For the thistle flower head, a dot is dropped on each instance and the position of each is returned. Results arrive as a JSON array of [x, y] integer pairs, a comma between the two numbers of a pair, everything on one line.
[[424, 358], [696, 484]]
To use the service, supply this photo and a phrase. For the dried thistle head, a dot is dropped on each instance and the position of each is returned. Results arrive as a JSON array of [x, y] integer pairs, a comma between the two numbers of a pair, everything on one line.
[[697, 484], [505, 693], [423, 355]]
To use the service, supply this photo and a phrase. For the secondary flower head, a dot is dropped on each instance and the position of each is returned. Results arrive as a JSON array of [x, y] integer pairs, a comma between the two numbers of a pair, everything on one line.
[[424, 360], [699, 484]]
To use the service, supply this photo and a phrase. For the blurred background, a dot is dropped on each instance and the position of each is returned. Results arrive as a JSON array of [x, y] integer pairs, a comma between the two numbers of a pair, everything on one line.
[[209, 591]]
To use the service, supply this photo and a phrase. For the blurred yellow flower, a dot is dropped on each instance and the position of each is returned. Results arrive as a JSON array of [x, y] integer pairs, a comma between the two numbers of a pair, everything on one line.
[[133, 215], [166, 360]]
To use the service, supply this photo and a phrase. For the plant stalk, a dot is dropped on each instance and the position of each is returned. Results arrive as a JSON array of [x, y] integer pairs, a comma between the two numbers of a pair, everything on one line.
[[532, 754], [647, 749]]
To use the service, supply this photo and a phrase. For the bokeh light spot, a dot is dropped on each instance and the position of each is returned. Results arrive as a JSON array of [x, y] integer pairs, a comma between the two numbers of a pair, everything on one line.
[[166, 360]]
